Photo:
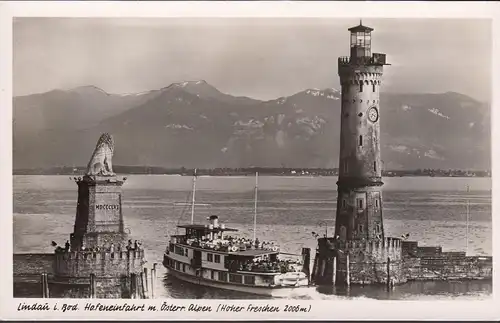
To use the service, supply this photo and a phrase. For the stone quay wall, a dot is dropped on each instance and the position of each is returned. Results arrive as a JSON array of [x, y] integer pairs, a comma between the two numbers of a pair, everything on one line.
[[367, 264], [103, 264], [105, 287], [110, 287], [27, 267], [431, 263], [69, 274]]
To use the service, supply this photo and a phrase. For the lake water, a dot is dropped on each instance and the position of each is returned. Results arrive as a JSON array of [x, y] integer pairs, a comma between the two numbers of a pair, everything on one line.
[[432, 210]]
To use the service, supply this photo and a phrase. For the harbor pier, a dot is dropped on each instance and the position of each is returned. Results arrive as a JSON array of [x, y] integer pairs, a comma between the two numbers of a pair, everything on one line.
[[99, 260]]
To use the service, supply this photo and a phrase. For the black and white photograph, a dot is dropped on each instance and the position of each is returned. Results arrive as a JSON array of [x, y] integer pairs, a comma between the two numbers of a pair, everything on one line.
[[252, 159]]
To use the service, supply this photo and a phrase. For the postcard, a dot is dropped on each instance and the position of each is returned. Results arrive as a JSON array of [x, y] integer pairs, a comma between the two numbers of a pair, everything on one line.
[[248, 160]]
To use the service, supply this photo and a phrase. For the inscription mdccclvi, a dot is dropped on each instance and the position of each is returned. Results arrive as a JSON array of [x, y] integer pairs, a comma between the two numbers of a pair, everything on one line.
[[107, 207]]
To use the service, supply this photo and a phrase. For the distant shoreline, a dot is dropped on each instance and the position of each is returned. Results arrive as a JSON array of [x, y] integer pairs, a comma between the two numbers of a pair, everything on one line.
[[293, 172]]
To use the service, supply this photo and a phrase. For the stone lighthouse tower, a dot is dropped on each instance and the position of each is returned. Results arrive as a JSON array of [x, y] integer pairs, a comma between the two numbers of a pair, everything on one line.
[[359, 204], [359, 252]]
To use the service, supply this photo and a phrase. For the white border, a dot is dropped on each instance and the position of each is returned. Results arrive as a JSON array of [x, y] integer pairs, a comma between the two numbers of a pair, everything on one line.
[[331, 309]]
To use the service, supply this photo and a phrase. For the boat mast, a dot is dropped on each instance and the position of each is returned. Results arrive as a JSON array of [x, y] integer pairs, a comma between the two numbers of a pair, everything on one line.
[[194, 193], [255, 207], [467, 223]]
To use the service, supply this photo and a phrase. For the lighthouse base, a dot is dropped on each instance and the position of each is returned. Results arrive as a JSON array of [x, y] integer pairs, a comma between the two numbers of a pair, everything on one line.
[[359, 262], [391, 262]]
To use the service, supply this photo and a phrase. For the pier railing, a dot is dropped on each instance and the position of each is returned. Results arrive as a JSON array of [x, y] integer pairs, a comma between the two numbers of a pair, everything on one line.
[[105, 254]]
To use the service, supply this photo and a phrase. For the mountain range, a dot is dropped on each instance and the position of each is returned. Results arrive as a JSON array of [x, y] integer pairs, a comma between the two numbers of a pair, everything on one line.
[[193, 124]]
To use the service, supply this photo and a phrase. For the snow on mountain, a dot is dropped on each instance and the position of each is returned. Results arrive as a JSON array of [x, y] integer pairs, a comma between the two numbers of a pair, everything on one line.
[[329, 93], [438, 113], [302, 130], [135, 94], [87, 89], [178, 126], [186, 83], [250, 123], [315, 123]]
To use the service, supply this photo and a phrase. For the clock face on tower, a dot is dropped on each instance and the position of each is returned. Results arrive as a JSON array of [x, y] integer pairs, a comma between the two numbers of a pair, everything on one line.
[[373, 114]]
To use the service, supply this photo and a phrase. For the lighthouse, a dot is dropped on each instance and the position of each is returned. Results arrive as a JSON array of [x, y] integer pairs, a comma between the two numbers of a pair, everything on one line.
[[359, 204], [359, 252]]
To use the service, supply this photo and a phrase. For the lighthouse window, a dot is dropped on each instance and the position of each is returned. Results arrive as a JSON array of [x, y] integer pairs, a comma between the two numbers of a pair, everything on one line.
[[373, 85], [360, 203], [374, 166], [360, 228], [344, 204], [360, 140], [361, 87]]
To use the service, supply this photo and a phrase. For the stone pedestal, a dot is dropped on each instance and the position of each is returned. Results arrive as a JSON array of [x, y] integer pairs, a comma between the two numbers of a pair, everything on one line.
[[99, 216]]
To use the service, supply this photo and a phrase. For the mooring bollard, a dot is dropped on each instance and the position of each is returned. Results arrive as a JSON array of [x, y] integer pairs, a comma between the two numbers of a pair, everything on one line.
[[44, 288], [323, 267], [142, 289], [153, 278], [92, 286], [388, 273], [133, 285], [315, 269], [306, 263], [348, 277], [47, 292], [42, 283], [146, 287], [334, 271]]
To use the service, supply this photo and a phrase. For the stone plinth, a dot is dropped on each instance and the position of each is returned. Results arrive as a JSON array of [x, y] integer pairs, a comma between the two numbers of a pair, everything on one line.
[[99, 216]]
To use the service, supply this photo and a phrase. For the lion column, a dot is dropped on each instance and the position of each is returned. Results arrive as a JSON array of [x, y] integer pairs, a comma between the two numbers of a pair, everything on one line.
[[99, 216]]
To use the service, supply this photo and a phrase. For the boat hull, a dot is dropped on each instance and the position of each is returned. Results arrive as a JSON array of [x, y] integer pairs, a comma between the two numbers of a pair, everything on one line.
[[278, 292]]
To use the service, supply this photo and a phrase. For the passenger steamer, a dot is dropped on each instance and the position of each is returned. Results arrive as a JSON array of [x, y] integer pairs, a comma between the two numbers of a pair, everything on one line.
[[209, 255]]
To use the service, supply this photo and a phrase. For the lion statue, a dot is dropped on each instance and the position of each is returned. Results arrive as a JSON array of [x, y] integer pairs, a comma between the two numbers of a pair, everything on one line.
[[100, 163]]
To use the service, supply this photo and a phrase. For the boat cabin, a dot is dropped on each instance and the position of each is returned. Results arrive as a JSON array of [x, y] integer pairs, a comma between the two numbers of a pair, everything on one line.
[[212, 246], [211, 252]]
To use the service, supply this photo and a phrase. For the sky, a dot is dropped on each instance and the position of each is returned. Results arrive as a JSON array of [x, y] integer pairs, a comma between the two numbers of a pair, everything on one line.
[[263, 58]]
